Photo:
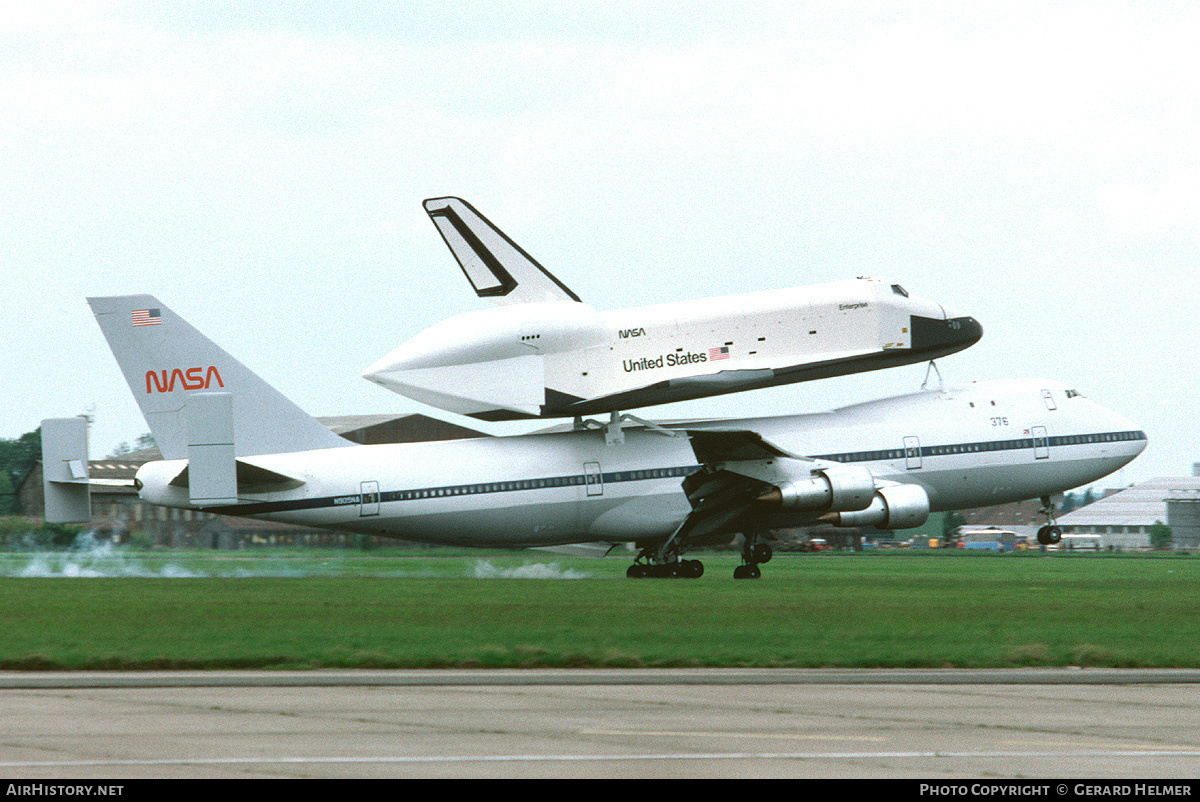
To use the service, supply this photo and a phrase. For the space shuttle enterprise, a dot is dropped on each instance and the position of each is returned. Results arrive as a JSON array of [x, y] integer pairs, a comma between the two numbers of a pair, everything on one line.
[[542, 352]]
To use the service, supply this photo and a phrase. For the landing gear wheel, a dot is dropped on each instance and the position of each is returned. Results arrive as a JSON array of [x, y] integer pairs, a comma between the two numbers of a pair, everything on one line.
[[637, 571], [762, 553], [747, 572], [1049, 535]]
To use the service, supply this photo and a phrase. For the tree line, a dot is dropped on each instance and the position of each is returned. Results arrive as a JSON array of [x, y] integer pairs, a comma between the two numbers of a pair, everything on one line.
[[17, 458]]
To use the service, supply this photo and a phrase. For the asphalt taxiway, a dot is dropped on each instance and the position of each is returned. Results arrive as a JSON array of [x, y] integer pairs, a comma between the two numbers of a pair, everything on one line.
[[943, 724]]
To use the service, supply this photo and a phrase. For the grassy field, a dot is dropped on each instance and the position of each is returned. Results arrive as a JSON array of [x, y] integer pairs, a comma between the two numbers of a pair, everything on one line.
[[351, 609]]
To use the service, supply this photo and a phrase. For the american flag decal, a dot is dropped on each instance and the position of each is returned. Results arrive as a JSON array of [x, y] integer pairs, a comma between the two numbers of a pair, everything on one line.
[[718, 353], [147, 317]]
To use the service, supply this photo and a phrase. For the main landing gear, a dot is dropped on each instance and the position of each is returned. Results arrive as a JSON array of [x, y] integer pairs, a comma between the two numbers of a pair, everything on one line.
[[645, 566], [649, 563], [754, 552], [654, 561], [1049, 534]]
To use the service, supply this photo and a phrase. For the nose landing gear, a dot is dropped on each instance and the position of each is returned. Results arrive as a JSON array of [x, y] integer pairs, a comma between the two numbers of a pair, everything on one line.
[[1050, 534]]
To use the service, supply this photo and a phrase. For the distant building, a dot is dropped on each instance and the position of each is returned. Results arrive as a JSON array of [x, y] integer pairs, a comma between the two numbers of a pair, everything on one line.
[[1123, 519], [118, 512]]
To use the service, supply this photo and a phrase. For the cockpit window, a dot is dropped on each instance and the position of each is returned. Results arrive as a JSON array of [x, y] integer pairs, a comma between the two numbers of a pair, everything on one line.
[[1074, 394], [896, 288]]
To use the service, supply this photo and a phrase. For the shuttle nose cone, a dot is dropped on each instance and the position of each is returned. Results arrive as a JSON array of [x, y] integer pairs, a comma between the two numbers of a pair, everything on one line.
[[933, 337], [969, 330]]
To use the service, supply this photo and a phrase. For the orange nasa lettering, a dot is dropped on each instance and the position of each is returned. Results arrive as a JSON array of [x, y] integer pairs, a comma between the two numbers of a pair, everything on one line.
[[196, 378]]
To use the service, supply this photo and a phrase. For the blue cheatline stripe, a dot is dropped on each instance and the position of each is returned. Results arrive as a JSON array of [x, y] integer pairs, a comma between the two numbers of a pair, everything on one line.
[[984, 446], [614, 477]]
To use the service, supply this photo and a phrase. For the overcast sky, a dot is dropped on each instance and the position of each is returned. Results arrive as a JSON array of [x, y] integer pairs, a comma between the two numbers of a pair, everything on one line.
[[260, 167]]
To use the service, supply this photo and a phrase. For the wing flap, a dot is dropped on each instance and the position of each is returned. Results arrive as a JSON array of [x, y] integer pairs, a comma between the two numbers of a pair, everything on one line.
[[589, 550], [719, 500]]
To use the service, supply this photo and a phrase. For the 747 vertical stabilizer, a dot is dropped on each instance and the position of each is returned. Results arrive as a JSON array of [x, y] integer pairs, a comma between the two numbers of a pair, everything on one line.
[[167, 362]]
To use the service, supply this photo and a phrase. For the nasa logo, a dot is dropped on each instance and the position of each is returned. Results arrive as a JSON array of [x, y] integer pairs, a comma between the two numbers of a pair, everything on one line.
[[627, 333], [192, 379]]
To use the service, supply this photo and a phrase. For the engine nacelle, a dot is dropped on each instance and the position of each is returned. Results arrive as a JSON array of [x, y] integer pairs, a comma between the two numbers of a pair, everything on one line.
[[835, 489], [893, 507]]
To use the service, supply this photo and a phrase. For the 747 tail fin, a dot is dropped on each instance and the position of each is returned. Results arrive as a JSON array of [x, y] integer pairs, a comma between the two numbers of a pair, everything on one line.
[[167, 363], [497, 267]]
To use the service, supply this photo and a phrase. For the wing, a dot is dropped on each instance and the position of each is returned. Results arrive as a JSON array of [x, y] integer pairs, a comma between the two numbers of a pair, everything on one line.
[[738, 467], [748, 483]]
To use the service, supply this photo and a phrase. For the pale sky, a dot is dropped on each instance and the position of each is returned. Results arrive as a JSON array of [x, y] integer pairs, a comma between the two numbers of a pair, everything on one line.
[[260, 167]]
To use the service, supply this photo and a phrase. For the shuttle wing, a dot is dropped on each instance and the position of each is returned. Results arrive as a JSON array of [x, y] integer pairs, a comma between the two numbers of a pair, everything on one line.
[[688, 388], [498, 268], [684, 388]]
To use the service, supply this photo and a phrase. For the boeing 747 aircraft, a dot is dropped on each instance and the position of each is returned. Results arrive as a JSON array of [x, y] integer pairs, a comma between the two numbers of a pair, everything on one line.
[[233, 445]]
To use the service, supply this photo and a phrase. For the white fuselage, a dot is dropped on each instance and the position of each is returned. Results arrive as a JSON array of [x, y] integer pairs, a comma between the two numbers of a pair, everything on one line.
[[983, 444]]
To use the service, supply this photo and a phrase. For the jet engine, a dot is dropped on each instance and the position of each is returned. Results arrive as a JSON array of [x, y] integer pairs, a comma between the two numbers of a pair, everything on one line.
[[893, 507], [835, 489]]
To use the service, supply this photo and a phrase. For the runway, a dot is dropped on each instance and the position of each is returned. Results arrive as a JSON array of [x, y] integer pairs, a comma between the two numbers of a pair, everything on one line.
[[943, 725]]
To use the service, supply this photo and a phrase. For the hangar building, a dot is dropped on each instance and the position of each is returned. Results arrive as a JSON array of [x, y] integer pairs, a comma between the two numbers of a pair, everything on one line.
[[1123, 520]]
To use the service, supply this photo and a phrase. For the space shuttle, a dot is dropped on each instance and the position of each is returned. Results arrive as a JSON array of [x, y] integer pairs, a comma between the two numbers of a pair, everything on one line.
[[541, 352]]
